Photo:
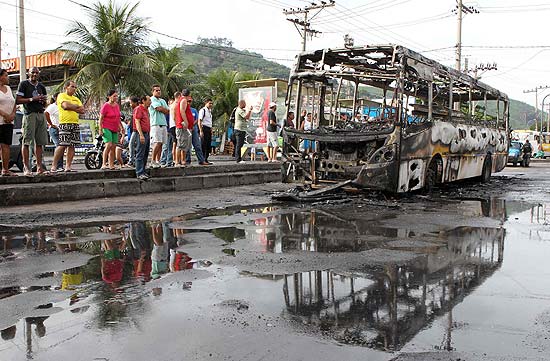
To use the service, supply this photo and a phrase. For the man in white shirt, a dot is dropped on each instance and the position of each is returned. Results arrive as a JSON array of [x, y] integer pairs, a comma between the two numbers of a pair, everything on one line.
[[205, 128], [52, 118]]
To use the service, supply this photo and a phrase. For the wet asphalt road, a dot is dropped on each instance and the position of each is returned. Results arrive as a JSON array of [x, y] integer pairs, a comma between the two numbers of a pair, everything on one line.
[[461, 274]]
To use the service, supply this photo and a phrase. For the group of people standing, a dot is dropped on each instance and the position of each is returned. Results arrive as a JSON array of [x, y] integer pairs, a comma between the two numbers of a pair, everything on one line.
[[170, 129], [32, 95]]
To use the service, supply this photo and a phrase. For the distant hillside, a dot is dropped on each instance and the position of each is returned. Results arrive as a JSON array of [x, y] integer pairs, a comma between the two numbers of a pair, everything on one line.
[[521, 115], [214, 53]]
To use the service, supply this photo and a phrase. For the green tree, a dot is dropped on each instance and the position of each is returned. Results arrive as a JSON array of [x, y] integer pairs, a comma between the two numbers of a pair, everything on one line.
[[169, 71], [223, 89], [110, 52]]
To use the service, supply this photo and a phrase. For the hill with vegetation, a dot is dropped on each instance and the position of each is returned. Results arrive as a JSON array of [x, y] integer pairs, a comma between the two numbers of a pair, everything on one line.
[[210, 54]]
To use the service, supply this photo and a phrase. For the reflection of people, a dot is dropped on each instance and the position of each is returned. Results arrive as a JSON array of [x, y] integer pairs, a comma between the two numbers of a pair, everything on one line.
[[112, 262], [9, 333], [180, 261], [71, 277], [160, 253], [140, 251]]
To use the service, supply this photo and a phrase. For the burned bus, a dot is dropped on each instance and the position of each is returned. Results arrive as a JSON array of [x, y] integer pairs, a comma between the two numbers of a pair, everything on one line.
[[414, 122]]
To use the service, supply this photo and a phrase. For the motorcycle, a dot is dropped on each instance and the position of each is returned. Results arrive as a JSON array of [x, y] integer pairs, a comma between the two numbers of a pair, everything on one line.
[[526, 159], [94, 156]]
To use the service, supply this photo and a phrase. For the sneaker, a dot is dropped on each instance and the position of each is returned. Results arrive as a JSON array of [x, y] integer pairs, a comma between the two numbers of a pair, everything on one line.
[[241, 162], [163, 165], [204, 163], [142, 177], [209, 162]]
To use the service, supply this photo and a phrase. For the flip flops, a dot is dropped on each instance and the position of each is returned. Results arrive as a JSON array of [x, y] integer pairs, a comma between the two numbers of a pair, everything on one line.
[[8, 174], [28, 173]]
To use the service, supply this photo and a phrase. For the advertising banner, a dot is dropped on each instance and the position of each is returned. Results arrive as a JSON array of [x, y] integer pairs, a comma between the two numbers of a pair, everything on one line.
[[259, 98]]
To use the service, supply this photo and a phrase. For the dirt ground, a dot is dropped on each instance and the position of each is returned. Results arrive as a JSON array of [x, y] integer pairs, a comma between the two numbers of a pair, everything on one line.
[[459, 274]]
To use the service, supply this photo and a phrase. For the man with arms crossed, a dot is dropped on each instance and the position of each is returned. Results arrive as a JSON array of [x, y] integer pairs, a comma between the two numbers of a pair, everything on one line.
[[69, 107]]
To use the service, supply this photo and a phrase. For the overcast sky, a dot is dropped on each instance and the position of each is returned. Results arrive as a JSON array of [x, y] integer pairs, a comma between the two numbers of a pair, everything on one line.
[[512, 33]]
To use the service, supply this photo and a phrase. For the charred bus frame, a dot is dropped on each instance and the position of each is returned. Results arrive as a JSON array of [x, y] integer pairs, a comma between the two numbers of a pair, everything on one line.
[[433, 124]]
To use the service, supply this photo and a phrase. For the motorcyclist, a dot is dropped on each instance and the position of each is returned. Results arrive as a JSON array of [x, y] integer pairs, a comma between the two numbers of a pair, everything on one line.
[[527, 149]]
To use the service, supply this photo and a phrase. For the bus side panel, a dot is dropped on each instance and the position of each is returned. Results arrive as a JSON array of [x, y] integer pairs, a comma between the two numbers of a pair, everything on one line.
[[462, 148], [415, 154]]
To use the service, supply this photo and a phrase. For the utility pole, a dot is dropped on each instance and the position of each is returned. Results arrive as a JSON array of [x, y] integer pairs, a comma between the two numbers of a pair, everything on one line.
[[460, 9], [536, 91], [305, 29], [22, 50]]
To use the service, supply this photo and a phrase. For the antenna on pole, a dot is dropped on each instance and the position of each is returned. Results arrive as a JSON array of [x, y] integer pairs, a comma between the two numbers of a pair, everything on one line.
[[303, 26]]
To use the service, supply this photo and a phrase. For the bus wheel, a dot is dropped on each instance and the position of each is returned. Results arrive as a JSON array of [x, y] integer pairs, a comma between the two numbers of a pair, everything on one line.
[[433, 174], [486, 172]]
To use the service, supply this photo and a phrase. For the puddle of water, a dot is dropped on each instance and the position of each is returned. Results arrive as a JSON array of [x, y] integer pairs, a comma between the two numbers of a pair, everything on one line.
[[436, 302]]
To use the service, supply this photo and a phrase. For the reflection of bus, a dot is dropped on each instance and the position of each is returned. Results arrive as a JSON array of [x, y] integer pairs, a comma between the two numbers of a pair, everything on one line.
[[455, 128]]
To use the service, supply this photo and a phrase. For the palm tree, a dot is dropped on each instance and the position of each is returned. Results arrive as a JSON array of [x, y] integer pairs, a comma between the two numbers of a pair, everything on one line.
[[111, 52], [224, 90], [169, 71]]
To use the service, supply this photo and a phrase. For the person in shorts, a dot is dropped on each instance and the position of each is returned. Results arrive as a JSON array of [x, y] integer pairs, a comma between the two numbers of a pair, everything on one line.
[[7, 115], [183, 116], [69, 107], [272, 135], [32, 94], [159, 128]]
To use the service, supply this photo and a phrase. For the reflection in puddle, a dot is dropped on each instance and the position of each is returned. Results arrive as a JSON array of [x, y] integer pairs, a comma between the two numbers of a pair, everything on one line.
[[384, 308], [381, 307], [124, 257]]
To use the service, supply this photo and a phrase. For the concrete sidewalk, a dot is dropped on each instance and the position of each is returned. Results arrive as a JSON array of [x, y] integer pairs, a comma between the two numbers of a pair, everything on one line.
[[89, 184]]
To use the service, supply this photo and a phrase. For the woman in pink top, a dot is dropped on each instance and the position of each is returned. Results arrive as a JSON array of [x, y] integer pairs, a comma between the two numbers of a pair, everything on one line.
[[109, 128]]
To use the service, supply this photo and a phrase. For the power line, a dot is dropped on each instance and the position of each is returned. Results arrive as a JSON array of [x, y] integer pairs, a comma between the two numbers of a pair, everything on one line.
[[305, 24]]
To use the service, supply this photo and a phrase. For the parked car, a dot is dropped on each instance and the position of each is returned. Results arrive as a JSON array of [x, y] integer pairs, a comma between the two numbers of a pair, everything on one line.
[[515, 154]]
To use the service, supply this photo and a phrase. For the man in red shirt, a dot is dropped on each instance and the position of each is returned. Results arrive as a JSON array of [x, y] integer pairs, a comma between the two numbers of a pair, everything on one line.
[[142, 127], [184, 124]]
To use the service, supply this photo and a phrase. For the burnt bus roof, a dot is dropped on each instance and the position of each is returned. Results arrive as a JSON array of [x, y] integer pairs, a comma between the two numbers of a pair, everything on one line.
[[381, 61]]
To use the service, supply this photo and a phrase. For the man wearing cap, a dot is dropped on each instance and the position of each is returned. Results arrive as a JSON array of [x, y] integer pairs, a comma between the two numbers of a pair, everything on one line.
[[272, 135], [32, 94]]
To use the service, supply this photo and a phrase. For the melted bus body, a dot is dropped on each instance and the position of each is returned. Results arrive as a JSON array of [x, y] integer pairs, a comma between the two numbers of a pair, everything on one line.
[[417, 122]]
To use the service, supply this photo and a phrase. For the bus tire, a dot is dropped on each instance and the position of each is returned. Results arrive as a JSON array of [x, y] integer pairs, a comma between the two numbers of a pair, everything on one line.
[[486, 171]]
